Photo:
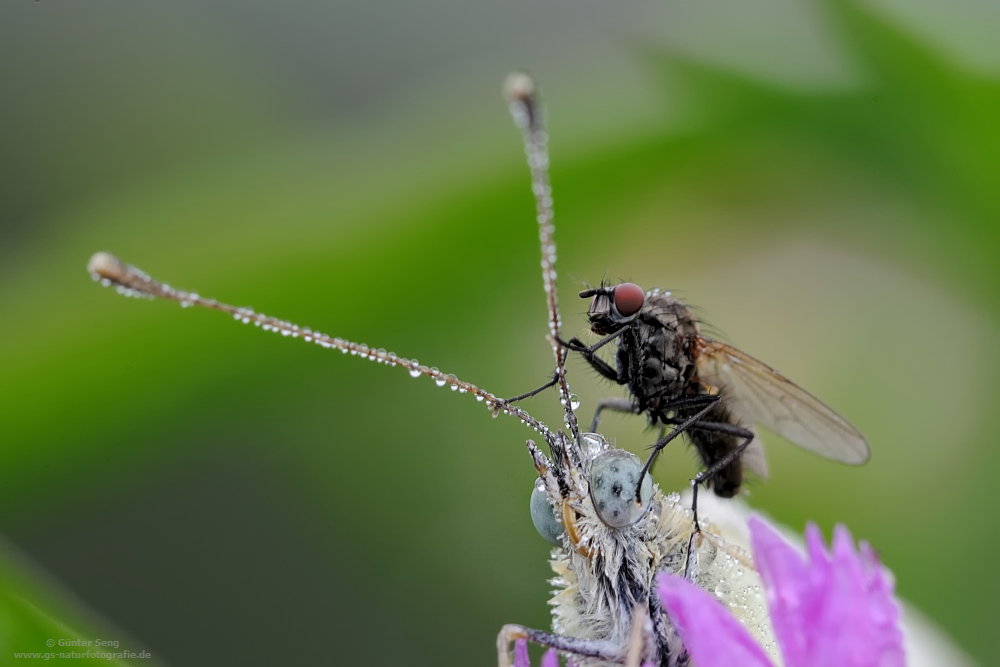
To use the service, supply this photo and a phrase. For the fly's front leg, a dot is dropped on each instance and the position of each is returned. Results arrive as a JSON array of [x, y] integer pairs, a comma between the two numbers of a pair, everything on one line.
[[529, 394], [585, 648], [602, 367], [590, 354]]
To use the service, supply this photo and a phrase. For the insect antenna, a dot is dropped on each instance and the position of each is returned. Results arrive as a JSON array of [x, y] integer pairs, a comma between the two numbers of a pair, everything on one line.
[[527, 112], [130, 281]]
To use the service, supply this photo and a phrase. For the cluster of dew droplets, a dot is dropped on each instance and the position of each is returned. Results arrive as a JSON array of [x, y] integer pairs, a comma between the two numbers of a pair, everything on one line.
[[737, 587]]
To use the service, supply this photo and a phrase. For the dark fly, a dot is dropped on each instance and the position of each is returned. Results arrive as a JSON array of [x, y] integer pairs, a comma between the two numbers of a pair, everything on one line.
[[712, 391]]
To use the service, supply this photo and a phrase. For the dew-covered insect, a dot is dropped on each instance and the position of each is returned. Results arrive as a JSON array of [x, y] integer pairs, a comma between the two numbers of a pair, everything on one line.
[[612, 529], [711, 390]]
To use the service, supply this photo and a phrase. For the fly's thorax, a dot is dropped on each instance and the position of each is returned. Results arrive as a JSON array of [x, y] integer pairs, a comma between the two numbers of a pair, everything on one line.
[[658, 354]]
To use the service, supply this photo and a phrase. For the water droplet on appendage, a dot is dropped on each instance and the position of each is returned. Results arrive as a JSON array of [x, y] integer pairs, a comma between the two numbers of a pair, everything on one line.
[[574, 401], [414, 371], [722, 589]]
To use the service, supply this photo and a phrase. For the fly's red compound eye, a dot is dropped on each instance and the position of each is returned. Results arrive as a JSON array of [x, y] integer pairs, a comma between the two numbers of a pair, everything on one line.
[[628, 299]]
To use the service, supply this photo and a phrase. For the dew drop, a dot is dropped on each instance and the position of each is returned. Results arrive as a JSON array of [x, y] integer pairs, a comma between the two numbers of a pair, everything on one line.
[[414, 371], [574, 402], [722, 589]]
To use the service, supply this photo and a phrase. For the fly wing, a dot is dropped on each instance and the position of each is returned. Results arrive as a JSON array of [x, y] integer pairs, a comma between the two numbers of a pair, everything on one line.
[[753, 456], [767, 397]]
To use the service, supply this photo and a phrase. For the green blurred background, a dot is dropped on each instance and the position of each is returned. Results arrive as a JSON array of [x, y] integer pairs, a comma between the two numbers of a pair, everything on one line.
[[820, 178]]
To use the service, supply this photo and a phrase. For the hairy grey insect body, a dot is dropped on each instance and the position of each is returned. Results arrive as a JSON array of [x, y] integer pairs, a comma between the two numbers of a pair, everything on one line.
[[604, 581]]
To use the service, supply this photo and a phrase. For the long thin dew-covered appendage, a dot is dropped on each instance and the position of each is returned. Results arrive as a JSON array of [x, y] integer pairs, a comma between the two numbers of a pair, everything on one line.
[[524, 107], [130, 281]]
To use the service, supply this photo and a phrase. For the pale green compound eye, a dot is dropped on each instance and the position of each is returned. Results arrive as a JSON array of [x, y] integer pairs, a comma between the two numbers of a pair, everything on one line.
[[613, 478], [542, 516]]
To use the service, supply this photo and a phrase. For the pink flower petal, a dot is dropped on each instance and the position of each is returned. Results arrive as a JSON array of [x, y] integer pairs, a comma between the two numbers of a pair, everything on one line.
[[834, 610], [713, 637], [521, 658], [550, 659]]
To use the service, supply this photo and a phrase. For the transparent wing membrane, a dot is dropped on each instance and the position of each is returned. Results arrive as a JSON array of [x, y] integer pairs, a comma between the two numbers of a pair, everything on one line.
[[765, 396]]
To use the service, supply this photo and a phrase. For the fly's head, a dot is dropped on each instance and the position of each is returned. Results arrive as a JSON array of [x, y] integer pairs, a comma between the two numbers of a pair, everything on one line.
[[613, 306]]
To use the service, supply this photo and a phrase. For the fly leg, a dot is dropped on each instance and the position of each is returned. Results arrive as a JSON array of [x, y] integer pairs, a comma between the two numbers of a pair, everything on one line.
[[681, 425], [529, 394], [590, 354], [616, 404], [731, 456], [586, 648]]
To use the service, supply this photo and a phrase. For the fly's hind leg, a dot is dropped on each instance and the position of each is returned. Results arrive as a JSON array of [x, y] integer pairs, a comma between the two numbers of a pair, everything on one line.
[[587, 648], [706, 474]]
